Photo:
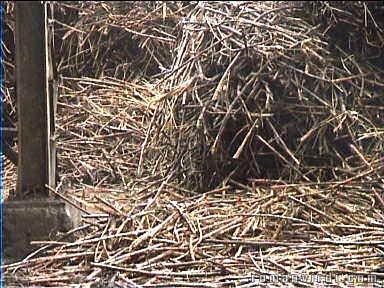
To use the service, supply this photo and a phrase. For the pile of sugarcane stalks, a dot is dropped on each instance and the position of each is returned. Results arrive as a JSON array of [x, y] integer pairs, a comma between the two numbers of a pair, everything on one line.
[[217, 144], [264, 96]]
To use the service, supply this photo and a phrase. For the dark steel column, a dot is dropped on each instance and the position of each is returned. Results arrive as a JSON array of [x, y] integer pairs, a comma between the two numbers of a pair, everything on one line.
[[34, 101]]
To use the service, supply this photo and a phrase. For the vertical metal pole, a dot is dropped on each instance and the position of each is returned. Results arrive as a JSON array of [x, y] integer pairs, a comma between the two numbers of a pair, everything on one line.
[[34, 102], [52, 94]]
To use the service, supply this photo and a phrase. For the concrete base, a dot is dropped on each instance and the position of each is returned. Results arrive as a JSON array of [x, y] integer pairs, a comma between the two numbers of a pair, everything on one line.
[[34, 220]]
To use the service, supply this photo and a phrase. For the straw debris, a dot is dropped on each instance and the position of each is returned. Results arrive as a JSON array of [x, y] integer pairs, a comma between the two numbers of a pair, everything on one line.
[[216, 144]]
